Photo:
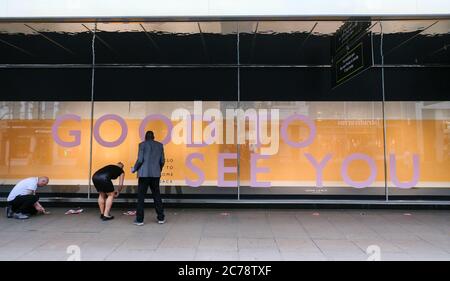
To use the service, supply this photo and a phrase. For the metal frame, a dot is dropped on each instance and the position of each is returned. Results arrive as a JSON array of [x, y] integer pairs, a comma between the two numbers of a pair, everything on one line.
[[91, 137], [386, 188]]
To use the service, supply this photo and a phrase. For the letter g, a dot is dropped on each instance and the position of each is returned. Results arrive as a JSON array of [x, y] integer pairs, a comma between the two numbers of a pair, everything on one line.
[[75, 133]]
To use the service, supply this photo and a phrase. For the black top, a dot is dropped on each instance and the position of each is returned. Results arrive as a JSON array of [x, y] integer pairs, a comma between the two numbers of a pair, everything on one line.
[[109, 172]]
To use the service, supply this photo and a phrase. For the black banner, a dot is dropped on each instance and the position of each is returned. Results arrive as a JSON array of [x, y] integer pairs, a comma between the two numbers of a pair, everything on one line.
[[239, 270]]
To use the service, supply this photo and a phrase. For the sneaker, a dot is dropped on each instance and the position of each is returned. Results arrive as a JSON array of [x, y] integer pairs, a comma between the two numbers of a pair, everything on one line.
[[9, 212], [20, 216], [161, 221], [138, 223]]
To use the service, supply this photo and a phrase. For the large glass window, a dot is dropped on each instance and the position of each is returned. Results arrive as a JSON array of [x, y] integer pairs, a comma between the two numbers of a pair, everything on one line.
[[196, 150], [246, 110], [417, 116], [46, 138], [323, 148]]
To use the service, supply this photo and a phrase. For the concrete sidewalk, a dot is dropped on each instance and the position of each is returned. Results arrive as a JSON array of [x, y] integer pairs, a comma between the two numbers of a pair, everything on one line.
[[231, 234]]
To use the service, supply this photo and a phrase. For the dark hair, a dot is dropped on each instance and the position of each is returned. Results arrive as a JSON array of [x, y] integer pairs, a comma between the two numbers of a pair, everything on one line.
[[149, 135]]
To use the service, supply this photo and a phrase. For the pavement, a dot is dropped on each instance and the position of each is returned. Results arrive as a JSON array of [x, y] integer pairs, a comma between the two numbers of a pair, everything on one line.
[[230, 234]]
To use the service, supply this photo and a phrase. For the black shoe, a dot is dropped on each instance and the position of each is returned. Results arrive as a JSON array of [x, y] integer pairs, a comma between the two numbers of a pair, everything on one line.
[[105, 218], [101, 216], [9, 212]]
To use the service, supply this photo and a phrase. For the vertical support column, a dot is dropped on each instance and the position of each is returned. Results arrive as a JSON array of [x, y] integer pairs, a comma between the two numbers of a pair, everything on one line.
[[238, 151], [386, 189], [92, 109]]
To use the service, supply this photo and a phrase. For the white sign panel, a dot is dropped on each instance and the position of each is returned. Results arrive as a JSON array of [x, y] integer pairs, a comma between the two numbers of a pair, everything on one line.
[[219, 8]]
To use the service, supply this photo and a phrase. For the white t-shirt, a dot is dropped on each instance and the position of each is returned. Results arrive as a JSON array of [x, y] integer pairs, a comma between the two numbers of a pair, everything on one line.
[[24, 187]]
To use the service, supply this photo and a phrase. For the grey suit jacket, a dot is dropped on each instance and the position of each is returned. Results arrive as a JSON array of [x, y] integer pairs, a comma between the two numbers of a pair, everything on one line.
[[150, 159]]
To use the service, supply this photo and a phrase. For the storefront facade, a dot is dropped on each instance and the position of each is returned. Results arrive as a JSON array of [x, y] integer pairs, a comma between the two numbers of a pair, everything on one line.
[[305, 109]]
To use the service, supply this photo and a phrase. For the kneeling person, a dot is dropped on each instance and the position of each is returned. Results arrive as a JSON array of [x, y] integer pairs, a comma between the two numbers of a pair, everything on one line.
[[102, 180], [22, 201]]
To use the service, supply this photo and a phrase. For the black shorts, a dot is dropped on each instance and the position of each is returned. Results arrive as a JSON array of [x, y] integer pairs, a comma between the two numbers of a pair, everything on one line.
[[102, 184]]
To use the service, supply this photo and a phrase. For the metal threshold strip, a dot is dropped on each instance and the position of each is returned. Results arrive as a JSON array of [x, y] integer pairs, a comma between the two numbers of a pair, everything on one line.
[[258, 201]]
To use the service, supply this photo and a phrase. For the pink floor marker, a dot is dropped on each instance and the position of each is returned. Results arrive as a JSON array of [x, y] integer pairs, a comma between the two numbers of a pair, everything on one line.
[[73, 212], [130, 213]]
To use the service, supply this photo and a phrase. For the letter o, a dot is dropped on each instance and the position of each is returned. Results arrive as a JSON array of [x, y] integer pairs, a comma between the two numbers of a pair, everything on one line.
[[122, 124], [161, 117], [305, 120]]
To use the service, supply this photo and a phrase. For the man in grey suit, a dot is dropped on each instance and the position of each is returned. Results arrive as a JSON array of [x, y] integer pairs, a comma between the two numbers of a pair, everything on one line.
[[149, 165]]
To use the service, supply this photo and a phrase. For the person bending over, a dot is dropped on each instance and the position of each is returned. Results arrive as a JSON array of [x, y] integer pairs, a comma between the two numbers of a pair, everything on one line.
[[22, 201], [102, 180]]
